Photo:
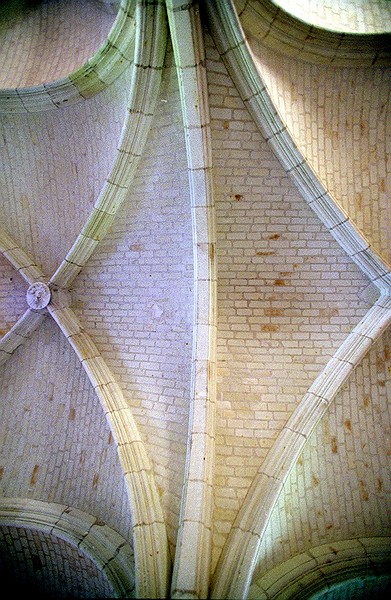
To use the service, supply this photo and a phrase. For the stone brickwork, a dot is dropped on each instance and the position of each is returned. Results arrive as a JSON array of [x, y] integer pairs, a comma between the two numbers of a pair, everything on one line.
[[46, 44], [287, 295], [48, 565], [124, 297], [57, 442], [340, 484], [12, 296], [52, 173], [338, 118], [210, 232]]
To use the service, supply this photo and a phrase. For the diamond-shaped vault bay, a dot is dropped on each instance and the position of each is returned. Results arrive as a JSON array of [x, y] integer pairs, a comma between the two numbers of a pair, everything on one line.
[[144, 328]]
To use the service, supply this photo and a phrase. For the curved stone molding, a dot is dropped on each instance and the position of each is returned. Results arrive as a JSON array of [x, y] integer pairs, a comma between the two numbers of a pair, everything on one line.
[[94, 76], [192, 560], [234, 571], [105, 547], [149, 532], [151, 39], [322, 567], [19, 333], [19, 259], [236, 53], [284, 33], [29, 321]]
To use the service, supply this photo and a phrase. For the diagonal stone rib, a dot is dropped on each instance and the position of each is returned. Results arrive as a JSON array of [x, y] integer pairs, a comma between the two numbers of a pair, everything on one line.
[[19, 333], [236, 565], [150, 48], [30, 320], [149, 531], [19, 259], [239, 60]]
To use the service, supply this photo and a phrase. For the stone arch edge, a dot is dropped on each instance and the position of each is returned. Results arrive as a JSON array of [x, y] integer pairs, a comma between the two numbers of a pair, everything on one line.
[[106, 548], [96, 74], [324, 566]]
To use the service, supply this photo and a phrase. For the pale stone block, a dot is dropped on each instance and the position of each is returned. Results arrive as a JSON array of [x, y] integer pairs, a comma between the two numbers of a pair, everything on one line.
[[97, 225], [97, 371]]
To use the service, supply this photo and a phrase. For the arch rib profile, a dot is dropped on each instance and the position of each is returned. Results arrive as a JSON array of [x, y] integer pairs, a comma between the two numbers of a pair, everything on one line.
[[236, 53], [149, 532], [322, 567], [236, 565], [151, 40], [104, 546], [95, 75], [192, 560]]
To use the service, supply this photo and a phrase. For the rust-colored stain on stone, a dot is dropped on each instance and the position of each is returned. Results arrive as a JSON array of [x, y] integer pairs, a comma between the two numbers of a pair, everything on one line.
[[379, 485], [279, 282], [334, 446], [329, 525], [328, 312], [367, 400], [1, 473], [226, 124], [274, 236], [110, 438], [238, 197], [270, 327], [273, 312], [359, 201], [315, 480], [34, 476], [348, 425], [363, 490], [72, 413], [265, 253], [387, 352], [379, 363], [95, 481]]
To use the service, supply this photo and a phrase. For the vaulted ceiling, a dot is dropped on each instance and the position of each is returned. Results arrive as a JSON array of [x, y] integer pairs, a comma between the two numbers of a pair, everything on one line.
[[195, 298]]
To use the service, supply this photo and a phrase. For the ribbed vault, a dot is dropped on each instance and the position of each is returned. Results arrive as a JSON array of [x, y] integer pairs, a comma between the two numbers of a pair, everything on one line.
[[199, 227]]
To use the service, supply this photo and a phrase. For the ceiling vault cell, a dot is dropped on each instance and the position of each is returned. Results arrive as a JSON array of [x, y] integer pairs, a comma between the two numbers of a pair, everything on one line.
[[234, 572], [138, 39], [237, 55], [111, 59], [149, 532]]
